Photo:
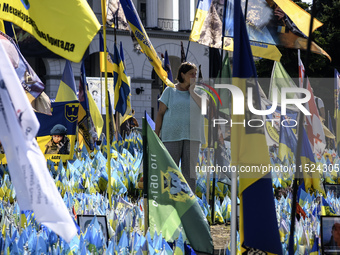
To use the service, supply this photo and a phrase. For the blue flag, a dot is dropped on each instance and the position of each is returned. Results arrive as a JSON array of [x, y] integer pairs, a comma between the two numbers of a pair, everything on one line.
[[121, 84], [258, 228]]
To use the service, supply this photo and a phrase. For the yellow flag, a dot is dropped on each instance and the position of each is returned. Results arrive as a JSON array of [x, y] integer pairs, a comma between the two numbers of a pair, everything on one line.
[[2, 26], [299, 16], [64, 27], [95, 114], [138, 30]]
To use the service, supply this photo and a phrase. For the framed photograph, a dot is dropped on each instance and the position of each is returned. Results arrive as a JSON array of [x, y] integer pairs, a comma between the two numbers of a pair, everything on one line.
[[335, 188], [330, 234], [85, 220]]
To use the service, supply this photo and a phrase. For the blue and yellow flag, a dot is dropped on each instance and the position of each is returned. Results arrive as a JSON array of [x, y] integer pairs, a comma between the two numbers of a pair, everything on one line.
[[67, 86], [326, 208], [167, 66], [95, 114], [258, 228], [121, 85], [138, 30], [102, 58], [63, 121], [207, 30], [85, 123], [269, 24], [315, 249], [64, 112], [121, 52], [287, 142], [172, 204], [64, 27]]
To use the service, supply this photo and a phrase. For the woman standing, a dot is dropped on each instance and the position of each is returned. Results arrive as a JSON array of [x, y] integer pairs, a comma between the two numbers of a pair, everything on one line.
[[179, 122]]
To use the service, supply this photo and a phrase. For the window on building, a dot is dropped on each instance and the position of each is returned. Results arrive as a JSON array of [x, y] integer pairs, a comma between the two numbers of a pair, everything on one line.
[[142, 12]]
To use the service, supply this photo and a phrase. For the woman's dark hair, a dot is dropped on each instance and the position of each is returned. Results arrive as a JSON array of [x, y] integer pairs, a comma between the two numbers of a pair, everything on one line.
[[184, 68]]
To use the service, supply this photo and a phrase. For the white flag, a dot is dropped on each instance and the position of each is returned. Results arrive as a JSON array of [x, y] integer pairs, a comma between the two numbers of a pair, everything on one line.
[[34, 186]]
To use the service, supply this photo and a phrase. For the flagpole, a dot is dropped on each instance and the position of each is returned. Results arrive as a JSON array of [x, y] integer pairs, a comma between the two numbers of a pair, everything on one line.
[[186, 54], [118, 115], [145, 174], [336, 118], [215, 134], [108, 146], [327, 138], [233, 220], [234, 213], [300, 139], [101, 92]]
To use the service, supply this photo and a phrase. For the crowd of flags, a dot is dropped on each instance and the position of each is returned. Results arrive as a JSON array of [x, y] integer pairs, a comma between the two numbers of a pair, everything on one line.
[[82, 183], [40, 201]]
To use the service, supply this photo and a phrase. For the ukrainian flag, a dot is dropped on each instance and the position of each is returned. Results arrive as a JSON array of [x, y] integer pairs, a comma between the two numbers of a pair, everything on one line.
[[144, 41], [102, 58], [315, 249], [287, 143], [202, 10], [121, 84], [64, 27], [65, 111], [326, 209], [84, 118], [67, 86], [258, 228]]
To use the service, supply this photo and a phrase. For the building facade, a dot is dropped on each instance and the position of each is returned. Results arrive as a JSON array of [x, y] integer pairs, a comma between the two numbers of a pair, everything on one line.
[[167, 23]]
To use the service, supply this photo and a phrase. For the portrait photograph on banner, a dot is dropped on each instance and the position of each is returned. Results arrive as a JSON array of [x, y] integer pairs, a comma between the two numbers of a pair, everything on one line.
[[57, 134], [330, 234], [96, 87]]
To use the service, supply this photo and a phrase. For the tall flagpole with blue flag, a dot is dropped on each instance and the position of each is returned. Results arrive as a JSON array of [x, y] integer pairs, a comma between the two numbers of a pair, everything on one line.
[[108, 149], [258, 228]]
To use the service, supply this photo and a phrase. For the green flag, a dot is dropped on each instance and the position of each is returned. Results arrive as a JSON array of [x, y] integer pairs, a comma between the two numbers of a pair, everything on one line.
[[225, 78], [280, 79], [172, 205]]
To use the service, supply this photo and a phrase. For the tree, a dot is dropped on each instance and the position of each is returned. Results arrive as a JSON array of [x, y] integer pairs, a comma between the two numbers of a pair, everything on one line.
[[327, 37]]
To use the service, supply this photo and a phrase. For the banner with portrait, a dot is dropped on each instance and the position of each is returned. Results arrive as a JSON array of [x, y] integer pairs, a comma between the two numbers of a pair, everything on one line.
[[96, 87], [57, 134]]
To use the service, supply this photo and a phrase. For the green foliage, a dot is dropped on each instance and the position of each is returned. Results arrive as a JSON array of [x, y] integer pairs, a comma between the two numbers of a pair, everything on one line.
[[328, 38]]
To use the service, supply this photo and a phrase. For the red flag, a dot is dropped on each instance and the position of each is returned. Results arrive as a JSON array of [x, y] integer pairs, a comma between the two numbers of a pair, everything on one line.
[[314, 128]]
